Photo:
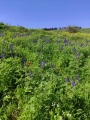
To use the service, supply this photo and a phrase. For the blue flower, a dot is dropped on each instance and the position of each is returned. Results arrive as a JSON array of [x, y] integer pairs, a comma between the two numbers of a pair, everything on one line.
[[2, 50], [43, 63], [0, 34], [77, 55], [81, 44], [2, 54], [41, 46], [52, 65], [11, 46], [67, 79], [74, 49], [34, 41], [77, 77], [38, 53], [24, 60], [57, 41], [73, 83], [65, 41], [31, 74]]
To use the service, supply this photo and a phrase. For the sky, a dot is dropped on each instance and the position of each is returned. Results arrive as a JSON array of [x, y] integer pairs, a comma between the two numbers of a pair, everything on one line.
[[45, 13]]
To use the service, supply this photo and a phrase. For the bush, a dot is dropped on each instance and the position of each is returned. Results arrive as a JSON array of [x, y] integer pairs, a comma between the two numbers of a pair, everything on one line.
[[72, 29], [3, 26]]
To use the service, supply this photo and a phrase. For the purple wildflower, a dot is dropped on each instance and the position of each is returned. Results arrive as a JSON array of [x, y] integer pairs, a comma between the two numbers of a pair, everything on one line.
[[73, 83], [52, 65], [24, 60], [0, 34], [67, 79], [81, 45], [57, 41], [39, 53], [31, 74], [77, 77], [46, 40], [2, 54], [77, 55], [87, 42], [11, 46], [2, 50], [43, 63], [34, 41], [65, 41], [74, 49]]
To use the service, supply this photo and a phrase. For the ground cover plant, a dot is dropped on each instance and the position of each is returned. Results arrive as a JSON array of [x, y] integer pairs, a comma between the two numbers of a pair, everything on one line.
[[44, 75]]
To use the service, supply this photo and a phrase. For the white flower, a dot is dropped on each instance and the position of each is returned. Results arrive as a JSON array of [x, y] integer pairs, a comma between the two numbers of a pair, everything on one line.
[[69, 115], [61, 118]]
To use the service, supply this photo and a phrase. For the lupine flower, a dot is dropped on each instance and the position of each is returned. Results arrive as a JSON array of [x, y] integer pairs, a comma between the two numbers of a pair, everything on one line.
[[50, 41], [26, 34], [46, 40], [14, 36], [76, 55], [57, 41], [0, 34], [73, 83], [43, 63], [2, 50], [87, 42], [31, 74], [52, 65], [24, 60], [38, 53], [77, 77], [67, 79], [11, 46], [81, 45], [34, 41], [2, 54], [15, 55], [74, 49], [65, 41], [42, 46]]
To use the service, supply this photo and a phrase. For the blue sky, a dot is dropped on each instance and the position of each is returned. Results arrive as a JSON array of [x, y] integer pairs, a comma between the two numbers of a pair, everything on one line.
[[45, 13]]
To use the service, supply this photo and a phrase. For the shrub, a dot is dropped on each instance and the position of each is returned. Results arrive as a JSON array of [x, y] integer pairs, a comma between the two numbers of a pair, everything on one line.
[[72, 29]]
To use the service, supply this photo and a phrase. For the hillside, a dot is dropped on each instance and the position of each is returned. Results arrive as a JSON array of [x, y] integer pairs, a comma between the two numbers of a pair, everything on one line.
[[23, 29], [44, 75]]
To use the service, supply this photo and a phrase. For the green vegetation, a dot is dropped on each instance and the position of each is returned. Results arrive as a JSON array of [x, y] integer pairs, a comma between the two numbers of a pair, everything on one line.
[[44, 75], [72, 29], [85, 30]]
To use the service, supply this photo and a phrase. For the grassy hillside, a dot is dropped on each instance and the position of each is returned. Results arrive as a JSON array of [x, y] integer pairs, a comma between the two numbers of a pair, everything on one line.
[[85, 30], [44, 75], [82, 30]]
